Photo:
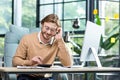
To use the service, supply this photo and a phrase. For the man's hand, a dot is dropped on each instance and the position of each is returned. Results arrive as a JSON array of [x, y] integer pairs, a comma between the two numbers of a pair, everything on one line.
[[36, 60], [58, 34]]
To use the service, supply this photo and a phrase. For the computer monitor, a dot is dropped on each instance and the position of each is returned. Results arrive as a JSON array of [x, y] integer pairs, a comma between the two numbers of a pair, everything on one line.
[[91, 42]]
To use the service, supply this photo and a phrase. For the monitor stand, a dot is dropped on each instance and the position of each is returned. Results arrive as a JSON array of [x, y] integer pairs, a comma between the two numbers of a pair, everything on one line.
[[93, 52]]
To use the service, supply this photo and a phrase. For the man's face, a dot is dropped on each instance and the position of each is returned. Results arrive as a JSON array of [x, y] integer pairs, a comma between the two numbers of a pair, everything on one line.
[[48, 30]]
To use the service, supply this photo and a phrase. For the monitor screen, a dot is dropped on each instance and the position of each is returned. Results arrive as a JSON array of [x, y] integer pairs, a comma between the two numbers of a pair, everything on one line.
[[92, 36]]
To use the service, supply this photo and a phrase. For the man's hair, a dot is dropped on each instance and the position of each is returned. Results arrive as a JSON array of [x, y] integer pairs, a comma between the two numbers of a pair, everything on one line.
[[53, 18]]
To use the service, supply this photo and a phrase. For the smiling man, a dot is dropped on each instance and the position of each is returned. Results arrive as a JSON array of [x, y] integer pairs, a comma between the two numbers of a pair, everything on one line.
[[42, 48]]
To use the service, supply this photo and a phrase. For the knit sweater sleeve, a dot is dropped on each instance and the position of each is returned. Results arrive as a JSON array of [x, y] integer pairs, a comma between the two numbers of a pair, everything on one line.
[[20, 56], [64, 54]]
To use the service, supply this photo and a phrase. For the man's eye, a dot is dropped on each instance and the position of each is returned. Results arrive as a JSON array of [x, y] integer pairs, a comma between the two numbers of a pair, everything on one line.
[[47, 27], [52, 30]]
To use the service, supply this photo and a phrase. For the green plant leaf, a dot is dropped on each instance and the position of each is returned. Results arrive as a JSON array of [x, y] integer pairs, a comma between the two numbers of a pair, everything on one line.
[[107, 43], [101, 41], [113, 31], [97, 19], [76, 49]]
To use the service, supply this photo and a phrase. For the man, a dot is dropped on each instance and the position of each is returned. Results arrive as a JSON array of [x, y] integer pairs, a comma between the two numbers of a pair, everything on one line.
[[42, 48]]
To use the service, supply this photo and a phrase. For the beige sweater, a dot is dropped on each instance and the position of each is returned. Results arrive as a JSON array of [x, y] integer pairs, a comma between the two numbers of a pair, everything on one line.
[[30, 46]]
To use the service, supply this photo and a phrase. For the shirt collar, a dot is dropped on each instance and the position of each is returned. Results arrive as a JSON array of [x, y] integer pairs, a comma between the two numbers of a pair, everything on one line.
[[41, 40]]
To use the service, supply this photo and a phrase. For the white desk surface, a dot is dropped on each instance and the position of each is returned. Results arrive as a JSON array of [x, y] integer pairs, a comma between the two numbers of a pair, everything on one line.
[[14, 70], [60, 70]]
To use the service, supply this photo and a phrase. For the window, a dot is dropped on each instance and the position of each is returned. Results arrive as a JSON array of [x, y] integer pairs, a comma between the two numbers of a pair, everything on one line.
[[109, 14], [5, 21], [5, 15], [67, 10], [29, 13]]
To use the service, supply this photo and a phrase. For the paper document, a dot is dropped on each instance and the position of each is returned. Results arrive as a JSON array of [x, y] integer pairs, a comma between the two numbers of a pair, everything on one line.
[[29, 67]]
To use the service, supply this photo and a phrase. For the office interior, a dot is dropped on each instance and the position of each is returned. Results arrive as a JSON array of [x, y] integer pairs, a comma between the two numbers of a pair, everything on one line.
[[73, 15]]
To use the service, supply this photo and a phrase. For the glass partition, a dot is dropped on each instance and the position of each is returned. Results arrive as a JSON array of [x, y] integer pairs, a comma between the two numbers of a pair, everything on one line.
[[5, 21], [29, 13], [109, 14]]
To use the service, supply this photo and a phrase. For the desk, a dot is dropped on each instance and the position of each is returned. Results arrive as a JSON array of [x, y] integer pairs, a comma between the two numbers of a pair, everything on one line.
[[13, 70]]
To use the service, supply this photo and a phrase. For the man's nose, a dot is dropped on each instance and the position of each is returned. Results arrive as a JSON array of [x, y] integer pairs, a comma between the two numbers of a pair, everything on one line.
[[49, 31]]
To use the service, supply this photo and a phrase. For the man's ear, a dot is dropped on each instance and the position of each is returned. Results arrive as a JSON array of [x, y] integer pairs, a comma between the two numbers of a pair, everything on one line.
[[58, 30]]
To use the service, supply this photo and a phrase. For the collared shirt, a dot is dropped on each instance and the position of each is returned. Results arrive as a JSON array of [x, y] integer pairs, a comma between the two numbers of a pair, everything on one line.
[[41, 40]]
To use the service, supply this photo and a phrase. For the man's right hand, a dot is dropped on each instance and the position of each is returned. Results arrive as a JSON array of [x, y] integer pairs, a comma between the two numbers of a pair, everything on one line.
[[36, 60]]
